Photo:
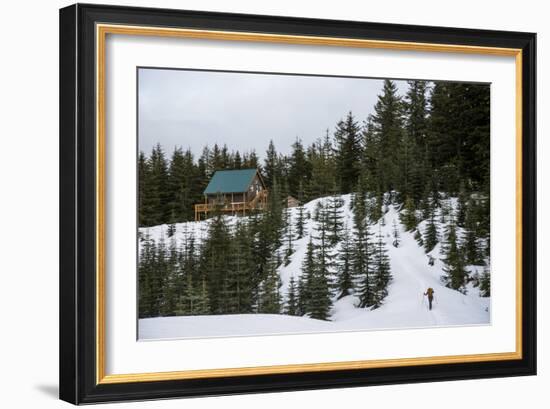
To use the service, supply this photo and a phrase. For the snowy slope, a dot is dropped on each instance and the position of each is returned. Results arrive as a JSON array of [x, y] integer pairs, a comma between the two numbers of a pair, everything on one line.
[[404, 307]]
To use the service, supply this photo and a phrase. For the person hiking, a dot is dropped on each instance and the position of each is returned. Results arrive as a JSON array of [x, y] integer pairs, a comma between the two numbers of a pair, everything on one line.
[[430, 293]]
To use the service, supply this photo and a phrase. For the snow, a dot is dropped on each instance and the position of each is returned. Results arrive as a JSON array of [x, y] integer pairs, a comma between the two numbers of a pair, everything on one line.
[[404, 307]]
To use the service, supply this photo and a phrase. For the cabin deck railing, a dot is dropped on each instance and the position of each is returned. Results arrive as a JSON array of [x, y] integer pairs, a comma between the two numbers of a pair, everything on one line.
[[258, 203]]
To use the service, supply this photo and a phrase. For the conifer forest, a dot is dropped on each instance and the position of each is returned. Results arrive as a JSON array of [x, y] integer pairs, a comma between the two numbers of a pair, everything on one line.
[[354, 227]]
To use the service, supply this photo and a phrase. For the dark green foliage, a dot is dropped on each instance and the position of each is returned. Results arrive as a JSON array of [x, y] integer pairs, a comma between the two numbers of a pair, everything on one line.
[[396, 235], [270, 299], [334, 219], [455, 275], [300, 222], [272, 166], [306, 279], [347, 152], [239, 287], [387, 128], [323, 169], [431, 235], [153, 184], [288, 238], [362, 253], [485, 283], [292, 298], [458, 134], [320, 295], [299, 170], [345, 282], [216, 251], [408, 215], [381, 271]]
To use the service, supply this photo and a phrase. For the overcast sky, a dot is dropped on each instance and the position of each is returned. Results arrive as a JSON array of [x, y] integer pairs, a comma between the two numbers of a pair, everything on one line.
[[243, 110]]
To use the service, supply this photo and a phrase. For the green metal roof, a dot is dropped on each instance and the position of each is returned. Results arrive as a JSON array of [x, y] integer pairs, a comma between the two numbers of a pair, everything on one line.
[[230, 181]]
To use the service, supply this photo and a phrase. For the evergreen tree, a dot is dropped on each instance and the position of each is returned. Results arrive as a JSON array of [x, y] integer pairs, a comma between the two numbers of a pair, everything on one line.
[[381, 271], [306, 279], [485, 283], [348, 153], [301, 229], [361, 252], [408, 215], [144, 212], [271, 170], [292, 298], [431, 236], [418, 238], [345, 282], [455, 275], [202, 301], [334, 219], [324, 254], [289, 238], [472, 247], [216, 251], [416, 128], [146, 277], [323, 169], [270, 296], [154, 199], [239, 286], [387, 126], [396, 235], [299, 171]]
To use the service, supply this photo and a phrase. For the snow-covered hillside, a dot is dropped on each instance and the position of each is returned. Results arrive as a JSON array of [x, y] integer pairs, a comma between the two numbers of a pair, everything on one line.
[[404, 307]]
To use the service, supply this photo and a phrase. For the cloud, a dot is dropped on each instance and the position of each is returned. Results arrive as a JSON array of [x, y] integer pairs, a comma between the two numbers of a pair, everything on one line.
[[245, 110]]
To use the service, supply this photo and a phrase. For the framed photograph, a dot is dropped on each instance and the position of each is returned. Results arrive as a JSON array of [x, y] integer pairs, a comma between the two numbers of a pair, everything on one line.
[[257, 203]]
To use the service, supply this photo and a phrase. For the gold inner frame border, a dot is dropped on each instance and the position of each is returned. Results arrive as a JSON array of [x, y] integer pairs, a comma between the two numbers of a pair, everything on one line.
[[102, 30]]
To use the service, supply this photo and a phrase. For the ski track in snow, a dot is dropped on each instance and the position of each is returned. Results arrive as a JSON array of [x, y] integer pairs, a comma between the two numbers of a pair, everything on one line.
[[404, 307]]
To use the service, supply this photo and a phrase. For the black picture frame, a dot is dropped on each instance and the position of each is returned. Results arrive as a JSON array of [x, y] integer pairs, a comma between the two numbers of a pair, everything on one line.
[[78, 236]]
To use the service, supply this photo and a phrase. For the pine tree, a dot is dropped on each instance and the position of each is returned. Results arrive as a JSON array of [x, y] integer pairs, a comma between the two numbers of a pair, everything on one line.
[[143, 187], [471, 247], [271, 170], [345, 282], [408, 215], [431, 236], [292, 298], [154, 200], [347, 152], [387, 126], [324, 254], [418, 238], [320, 302], [306, 278], [455, 275], [415, 106], [462, 206], [216, 251], [289, 238], [485, 283], [146, 277], [299, 171], [202, 301], [323, 169], [239, 288], [300, 222], [396, 234], [361, 253], [270, 297], [381, 271], [334, 219]]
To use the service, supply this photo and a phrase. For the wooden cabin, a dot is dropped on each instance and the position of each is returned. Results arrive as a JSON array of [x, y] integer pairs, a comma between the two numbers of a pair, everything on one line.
[[291, 201], [236, 192]]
